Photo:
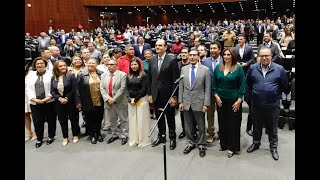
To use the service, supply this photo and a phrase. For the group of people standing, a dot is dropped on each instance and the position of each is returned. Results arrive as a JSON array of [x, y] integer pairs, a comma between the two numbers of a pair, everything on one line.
[[123, 97]]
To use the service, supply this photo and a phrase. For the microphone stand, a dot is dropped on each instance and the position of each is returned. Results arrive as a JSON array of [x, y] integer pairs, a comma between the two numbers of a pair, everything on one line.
[[163, 135]]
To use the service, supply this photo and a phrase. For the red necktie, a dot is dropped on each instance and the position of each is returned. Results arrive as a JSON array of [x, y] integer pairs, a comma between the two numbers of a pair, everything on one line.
[[110, 85]]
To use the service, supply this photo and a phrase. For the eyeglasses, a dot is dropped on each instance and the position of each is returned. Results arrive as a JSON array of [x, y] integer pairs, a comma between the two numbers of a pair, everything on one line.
[[193, 54], [264, 55], [110, 64]]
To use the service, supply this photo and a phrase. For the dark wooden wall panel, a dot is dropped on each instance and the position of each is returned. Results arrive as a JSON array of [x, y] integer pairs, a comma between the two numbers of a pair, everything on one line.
[[67, 14], [147, 2], [64, 14]]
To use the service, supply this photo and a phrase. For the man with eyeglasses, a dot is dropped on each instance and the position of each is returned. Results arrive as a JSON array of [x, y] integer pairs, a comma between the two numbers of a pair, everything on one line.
[[194, 99], [266, 80], [267, 42], [112, 88]]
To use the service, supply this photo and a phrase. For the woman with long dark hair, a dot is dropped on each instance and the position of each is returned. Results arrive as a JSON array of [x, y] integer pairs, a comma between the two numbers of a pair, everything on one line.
[[138, 108], [228, 88], [63, 85]]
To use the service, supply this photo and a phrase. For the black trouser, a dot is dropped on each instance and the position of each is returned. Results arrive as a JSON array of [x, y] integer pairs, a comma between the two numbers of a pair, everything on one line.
[[94, 120], [249, 121], [259, 38], [42, 113], [229, 125], [64, 112], [269, 116], [169, 113]]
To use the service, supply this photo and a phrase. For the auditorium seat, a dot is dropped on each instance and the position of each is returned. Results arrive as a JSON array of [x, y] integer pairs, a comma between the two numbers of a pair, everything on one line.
[[284, 109], [292, 108]]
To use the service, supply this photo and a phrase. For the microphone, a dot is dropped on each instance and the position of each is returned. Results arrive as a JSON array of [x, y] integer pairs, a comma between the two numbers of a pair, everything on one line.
[[181, 77]]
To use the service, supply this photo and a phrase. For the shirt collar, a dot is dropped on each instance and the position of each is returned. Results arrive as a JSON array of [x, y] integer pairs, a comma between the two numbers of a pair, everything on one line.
[[215, 59], [162, 56], [268, 67], [196, 65]]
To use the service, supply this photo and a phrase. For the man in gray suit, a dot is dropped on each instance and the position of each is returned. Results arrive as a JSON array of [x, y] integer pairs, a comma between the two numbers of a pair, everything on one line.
[[194, 99], [112, 88]]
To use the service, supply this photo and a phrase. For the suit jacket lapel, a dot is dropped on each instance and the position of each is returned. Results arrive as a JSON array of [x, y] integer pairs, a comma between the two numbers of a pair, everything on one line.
[[197, 75], [186, 75], [163, 63], [115, 78]]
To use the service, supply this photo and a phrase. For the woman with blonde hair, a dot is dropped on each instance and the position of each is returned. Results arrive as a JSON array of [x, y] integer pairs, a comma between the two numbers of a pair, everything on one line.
[[63, 85]]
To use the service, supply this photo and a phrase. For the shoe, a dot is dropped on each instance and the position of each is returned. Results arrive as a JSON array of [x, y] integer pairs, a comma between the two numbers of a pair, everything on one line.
[[157, 142], [274, 154], [84, 134], [38, 144], [34, 137], [124, 140], [173, 144], [83, 124], [93, 140], [50, 140], [100, 138], [113, 138], [105, 128], [75, 139], [252, 148], [195, 136], [202, 152], [230, 154], [249, 131], [182, 135], [188, 149], [222, 149], [65, 141], [210, 138]]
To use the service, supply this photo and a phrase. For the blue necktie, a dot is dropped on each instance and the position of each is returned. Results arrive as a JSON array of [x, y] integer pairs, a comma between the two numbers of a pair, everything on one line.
[[214, 64], [193, 76]]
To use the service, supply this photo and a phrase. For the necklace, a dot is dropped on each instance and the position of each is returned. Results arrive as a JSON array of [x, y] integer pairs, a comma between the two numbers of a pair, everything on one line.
[[94, 76]]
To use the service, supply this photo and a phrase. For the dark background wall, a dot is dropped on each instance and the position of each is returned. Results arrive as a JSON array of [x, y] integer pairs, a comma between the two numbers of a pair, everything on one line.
[[62, 14], [67, 14]]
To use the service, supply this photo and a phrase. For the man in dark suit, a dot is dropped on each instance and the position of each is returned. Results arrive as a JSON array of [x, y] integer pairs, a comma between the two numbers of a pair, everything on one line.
[[62, 39], [244, 53], [139, 48], [267, 42], [245, 56], [55, 55], [163, 71], [260, 31]]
